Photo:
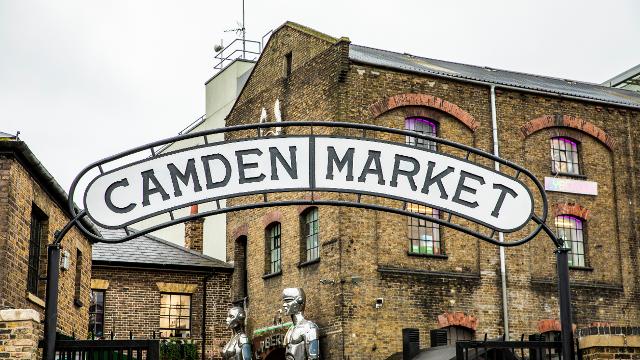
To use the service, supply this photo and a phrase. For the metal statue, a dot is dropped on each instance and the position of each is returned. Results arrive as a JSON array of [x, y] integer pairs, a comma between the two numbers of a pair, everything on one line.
[[301, 341], [239, 347]]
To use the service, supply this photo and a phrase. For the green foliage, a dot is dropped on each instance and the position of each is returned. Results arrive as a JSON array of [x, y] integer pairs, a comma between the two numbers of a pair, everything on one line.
[[177, 349]]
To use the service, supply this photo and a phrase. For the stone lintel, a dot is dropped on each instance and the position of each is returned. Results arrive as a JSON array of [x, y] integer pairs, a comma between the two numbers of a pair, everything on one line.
[[19, 315], [99, 284], [608, 340], [177, 288]]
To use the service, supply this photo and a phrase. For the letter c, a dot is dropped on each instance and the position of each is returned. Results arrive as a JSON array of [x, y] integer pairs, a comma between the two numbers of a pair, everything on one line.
[[107, 197]]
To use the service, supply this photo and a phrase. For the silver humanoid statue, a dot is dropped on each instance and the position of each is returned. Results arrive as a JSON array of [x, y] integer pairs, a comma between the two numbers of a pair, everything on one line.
[[301, 340], [238, 348]]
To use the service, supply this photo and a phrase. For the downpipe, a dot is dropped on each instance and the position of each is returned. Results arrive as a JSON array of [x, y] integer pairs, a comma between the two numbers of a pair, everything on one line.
[[503, 267]]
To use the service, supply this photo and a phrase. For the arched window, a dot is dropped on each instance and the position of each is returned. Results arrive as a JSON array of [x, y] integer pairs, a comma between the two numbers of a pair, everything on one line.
[[310, 242], [424, 236], [422, 126], [273, 258], [564, 156], [571, 230]]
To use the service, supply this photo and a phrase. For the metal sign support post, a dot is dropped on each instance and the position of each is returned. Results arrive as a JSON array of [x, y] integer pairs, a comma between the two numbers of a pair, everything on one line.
[[564, 294], [51, 300]]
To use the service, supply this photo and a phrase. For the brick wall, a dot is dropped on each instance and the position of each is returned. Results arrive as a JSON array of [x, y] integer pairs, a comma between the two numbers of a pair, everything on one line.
[[363, 253], [19, 334], [132, 303], [608, 342], [19, 191]]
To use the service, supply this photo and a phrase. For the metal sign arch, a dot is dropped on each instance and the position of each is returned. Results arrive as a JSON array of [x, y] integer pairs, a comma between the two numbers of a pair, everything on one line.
[[538, 219]]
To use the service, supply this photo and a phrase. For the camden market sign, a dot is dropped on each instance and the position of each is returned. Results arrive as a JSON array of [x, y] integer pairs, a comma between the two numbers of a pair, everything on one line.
[[146, 188]]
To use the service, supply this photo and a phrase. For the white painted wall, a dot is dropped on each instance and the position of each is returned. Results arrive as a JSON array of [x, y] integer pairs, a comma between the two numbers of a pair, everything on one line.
[[221, 92]]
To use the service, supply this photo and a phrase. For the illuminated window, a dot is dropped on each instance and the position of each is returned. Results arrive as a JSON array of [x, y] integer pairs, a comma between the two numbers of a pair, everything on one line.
[[424, 236], [422, 126], [273, 234], [175, 315], [310, 229], [570, 229], [564, 156], [96, 313]]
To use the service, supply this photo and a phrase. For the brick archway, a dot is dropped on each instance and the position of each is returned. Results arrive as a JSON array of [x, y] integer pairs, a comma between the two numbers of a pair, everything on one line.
[[242, 230], [457, 318], [547, 325], [410, 99], [574, 122], [571, 209]]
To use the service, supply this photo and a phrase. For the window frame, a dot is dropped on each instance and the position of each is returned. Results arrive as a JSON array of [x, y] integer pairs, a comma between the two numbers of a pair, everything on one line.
[[160, 328], [571, 254], [270, 268], [104, 301], [35, 258], [578, 151], [414, 141], [434, 227], [305, 235]]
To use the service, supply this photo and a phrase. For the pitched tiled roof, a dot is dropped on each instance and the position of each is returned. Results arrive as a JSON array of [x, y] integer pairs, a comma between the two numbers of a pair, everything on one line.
[[463, 72], [150, 251]]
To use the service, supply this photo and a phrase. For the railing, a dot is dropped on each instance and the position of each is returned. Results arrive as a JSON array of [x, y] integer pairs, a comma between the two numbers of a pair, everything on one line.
[[237, 49], [508, 350], [107, 349]]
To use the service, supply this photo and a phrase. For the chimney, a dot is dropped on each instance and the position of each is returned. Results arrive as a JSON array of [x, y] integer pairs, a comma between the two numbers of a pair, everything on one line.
[[193, 232]]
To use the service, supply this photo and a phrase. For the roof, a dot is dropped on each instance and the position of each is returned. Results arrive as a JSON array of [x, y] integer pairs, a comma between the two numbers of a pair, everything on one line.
[[4, 135], [620, 78], [44, 178], [490, 76], [151, 252]]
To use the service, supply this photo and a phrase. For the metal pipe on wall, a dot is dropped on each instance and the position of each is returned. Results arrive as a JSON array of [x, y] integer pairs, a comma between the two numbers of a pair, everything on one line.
[[503, 267]]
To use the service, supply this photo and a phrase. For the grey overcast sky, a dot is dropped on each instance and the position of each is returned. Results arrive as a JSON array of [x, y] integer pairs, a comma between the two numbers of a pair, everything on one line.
[[84, 79]]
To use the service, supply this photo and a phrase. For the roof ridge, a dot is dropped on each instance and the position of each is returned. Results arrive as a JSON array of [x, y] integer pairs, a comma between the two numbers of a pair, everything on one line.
[[309, 31], [179, 247]]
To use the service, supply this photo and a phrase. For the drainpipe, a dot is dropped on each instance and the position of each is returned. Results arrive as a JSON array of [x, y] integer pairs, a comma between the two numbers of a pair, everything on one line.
[[503, 267], [205, 280]]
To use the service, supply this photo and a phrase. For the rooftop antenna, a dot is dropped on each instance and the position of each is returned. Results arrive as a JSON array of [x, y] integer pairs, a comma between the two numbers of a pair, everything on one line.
[[241, 29]]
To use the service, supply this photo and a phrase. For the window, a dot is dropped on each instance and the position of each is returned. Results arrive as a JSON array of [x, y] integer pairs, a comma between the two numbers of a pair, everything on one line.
[[175, 315], [273, 246], [422, 126], [78, 280], [288, 59], [424, 236], [570, 229], [310, 241], [36, 240], [564, 156], [96, 313]]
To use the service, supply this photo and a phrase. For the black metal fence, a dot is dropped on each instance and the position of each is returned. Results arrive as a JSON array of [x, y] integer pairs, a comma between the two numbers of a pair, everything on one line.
[[107, 350], [508, 350]]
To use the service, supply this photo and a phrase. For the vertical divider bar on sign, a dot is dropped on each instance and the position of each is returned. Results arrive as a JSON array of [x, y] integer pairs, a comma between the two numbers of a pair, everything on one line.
[[312, 162]]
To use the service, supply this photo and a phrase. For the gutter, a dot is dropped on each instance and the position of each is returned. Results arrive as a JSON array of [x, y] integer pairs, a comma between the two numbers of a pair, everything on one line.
[[157, 266], [503, 266]]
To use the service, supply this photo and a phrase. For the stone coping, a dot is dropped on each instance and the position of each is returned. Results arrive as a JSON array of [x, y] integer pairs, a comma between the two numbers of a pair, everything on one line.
[[19, 315]]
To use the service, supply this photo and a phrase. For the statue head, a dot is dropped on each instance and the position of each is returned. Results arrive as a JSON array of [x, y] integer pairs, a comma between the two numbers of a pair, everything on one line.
[[293, 301], [235, 317]]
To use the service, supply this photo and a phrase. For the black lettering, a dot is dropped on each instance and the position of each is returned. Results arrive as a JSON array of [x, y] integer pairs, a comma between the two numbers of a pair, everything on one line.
[[189, 173], [408, 173], [292, 168], [149, 176], [503, 193], [462, 187], [107, 197], [347, 159], [242, 166], [374, 157], [430, 180], [207, 170]]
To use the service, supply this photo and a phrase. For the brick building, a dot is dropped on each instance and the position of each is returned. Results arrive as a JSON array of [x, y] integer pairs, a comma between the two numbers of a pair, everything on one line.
[[32, 207], [152, 287], [579, 139]]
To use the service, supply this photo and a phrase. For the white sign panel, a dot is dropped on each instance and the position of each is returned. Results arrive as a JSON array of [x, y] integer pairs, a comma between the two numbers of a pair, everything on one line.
[[571, 186], [137, 191]]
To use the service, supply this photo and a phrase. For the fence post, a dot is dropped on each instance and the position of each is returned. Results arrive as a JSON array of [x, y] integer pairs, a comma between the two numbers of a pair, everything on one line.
[[564, 294], [154, 351]]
